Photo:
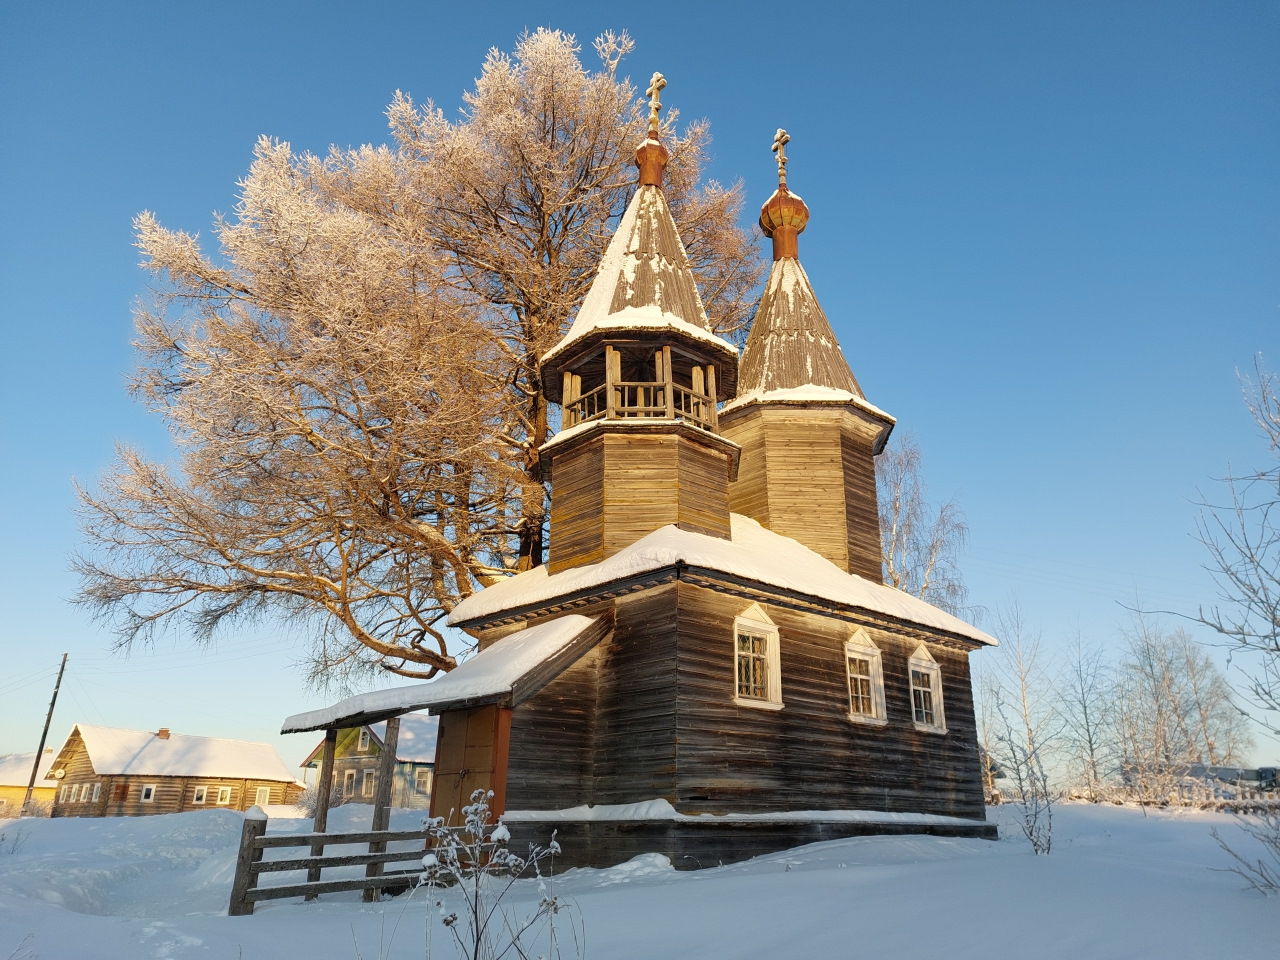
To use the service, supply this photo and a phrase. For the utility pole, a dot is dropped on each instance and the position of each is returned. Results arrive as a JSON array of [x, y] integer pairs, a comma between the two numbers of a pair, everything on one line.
[[35, 767]]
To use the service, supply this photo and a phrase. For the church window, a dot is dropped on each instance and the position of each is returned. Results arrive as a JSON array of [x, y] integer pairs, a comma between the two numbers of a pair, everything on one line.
[[865, 672], [757, 681], [926, 692]]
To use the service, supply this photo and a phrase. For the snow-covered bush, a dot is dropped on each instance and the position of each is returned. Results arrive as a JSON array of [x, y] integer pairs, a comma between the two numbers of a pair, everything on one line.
[[473, 864], [310, 798], [1263, 873]]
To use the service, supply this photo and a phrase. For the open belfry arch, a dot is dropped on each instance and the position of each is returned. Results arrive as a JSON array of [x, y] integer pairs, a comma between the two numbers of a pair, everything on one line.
[[709, 664]]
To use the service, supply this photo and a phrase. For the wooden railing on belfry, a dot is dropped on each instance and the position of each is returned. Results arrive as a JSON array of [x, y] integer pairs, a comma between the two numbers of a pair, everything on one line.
[[250, 864]]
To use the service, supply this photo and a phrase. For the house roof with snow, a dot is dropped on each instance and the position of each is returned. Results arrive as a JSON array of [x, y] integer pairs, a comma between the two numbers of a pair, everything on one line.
[[755, 561], [115, 752], [15, 769], [506, 673]]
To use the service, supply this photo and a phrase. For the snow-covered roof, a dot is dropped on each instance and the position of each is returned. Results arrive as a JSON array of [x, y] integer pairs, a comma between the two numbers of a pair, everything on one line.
[[754, 554], [494, 675], [15, 769], [807, 393], [791, 345], [644, 283], [115, 752]]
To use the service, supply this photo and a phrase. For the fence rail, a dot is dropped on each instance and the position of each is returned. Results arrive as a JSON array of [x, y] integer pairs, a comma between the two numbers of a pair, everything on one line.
[[250, 865]]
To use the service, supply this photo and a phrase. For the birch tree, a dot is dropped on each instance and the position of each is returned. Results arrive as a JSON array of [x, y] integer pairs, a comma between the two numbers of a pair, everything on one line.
[[1242, 535], [351, 379], [921, 547]]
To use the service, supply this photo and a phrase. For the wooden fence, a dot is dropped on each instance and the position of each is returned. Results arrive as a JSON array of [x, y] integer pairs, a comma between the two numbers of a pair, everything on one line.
[[250, 864]]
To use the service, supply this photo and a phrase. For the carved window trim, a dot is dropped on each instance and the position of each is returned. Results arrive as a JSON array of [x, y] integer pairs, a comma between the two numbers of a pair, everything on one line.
[[924, 679], [866, 685], [750, 660]]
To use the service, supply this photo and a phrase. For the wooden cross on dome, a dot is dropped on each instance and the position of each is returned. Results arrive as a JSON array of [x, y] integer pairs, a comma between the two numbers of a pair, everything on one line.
[[655, 104], [780, 141]]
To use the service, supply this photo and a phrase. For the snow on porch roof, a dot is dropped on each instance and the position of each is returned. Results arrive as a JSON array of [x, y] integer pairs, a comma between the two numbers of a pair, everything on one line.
[[513, 668], [755, 554]]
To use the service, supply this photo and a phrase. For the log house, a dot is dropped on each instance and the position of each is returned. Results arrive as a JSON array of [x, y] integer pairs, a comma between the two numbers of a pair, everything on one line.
[[109, 772]]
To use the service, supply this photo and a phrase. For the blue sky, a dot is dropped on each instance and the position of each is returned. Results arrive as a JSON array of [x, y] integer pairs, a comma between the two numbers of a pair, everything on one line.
[[1046, 235]]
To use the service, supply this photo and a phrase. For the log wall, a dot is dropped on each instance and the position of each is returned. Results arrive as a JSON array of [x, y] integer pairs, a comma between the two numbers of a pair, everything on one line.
[[615, 488], [809, 755], [809, 473]]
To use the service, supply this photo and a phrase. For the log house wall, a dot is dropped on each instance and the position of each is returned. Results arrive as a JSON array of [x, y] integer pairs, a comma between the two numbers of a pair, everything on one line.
[[809, 755]]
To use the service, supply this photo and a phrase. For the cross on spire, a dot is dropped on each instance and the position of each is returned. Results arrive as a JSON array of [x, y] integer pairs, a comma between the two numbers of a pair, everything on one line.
[[780, 141], [655, 104]]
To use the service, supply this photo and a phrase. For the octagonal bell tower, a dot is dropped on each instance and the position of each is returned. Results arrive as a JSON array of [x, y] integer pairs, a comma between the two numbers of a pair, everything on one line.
[[638, 377], [809, 437]]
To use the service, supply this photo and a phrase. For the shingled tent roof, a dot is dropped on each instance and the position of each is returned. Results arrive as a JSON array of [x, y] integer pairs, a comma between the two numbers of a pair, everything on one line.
[[644, 288], [791, 344]]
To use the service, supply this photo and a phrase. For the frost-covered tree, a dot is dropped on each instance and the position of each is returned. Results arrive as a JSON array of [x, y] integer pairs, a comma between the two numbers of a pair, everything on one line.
[[921, 547], [351, 381], [1242, 535], [1172, 707]]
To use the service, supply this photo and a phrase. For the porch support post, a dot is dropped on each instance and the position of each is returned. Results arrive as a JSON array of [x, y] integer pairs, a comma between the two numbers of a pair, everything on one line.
[[382, 800], [324, 787]]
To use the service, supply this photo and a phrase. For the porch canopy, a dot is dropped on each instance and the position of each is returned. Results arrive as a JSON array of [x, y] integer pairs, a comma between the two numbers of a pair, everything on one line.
[[504, 674]]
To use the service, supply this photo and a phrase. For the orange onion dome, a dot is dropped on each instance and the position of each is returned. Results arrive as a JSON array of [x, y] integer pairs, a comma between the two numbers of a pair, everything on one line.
[[651, 155], [784, 215]]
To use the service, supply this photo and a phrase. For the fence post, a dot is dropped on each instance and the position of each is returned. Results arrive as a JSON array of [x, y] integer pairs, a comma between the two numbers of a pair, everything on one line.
[[324, 786], [255, 825]]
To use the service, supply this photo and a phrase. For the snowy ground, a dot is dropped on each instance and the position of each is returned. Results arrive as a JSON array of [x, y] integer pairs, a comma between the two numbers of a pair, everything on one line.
[[1118, 884]]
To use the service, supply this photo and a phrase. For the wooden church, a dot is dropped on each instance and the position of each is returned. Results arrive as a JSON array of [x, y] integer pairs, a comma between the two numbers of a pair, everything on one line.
[[708, 665]]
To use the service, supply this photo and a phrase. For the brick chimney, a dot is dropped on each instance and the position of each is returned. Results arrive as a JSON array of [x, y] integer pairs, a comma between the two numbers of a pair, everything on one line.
[[163, 733]]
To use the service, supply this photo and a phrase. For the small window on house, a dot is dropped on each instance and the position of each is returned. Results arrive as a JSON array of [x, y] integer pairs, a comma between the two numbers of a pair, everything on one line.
[[865, 671], [224, 795], [62, 794], [200, 795], [349, 783], [148, 792], [364, 739], [370, 783], [262, 796], [758, 682], [85, 789], [422, 782], [926, 692], [97, 791]]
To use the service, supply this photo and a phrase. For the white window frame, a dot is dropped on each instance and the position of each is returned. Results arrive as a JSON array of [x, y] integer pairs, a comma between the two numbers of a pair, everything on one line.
[[365, 739], [224, 796], [860, 646], [349, 783], [84, 791], [261, 796], [201, 795], [369, 784], [63, 797], [148, 794], [421, 777], [97, 791], [754, 622], [922, 663]]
